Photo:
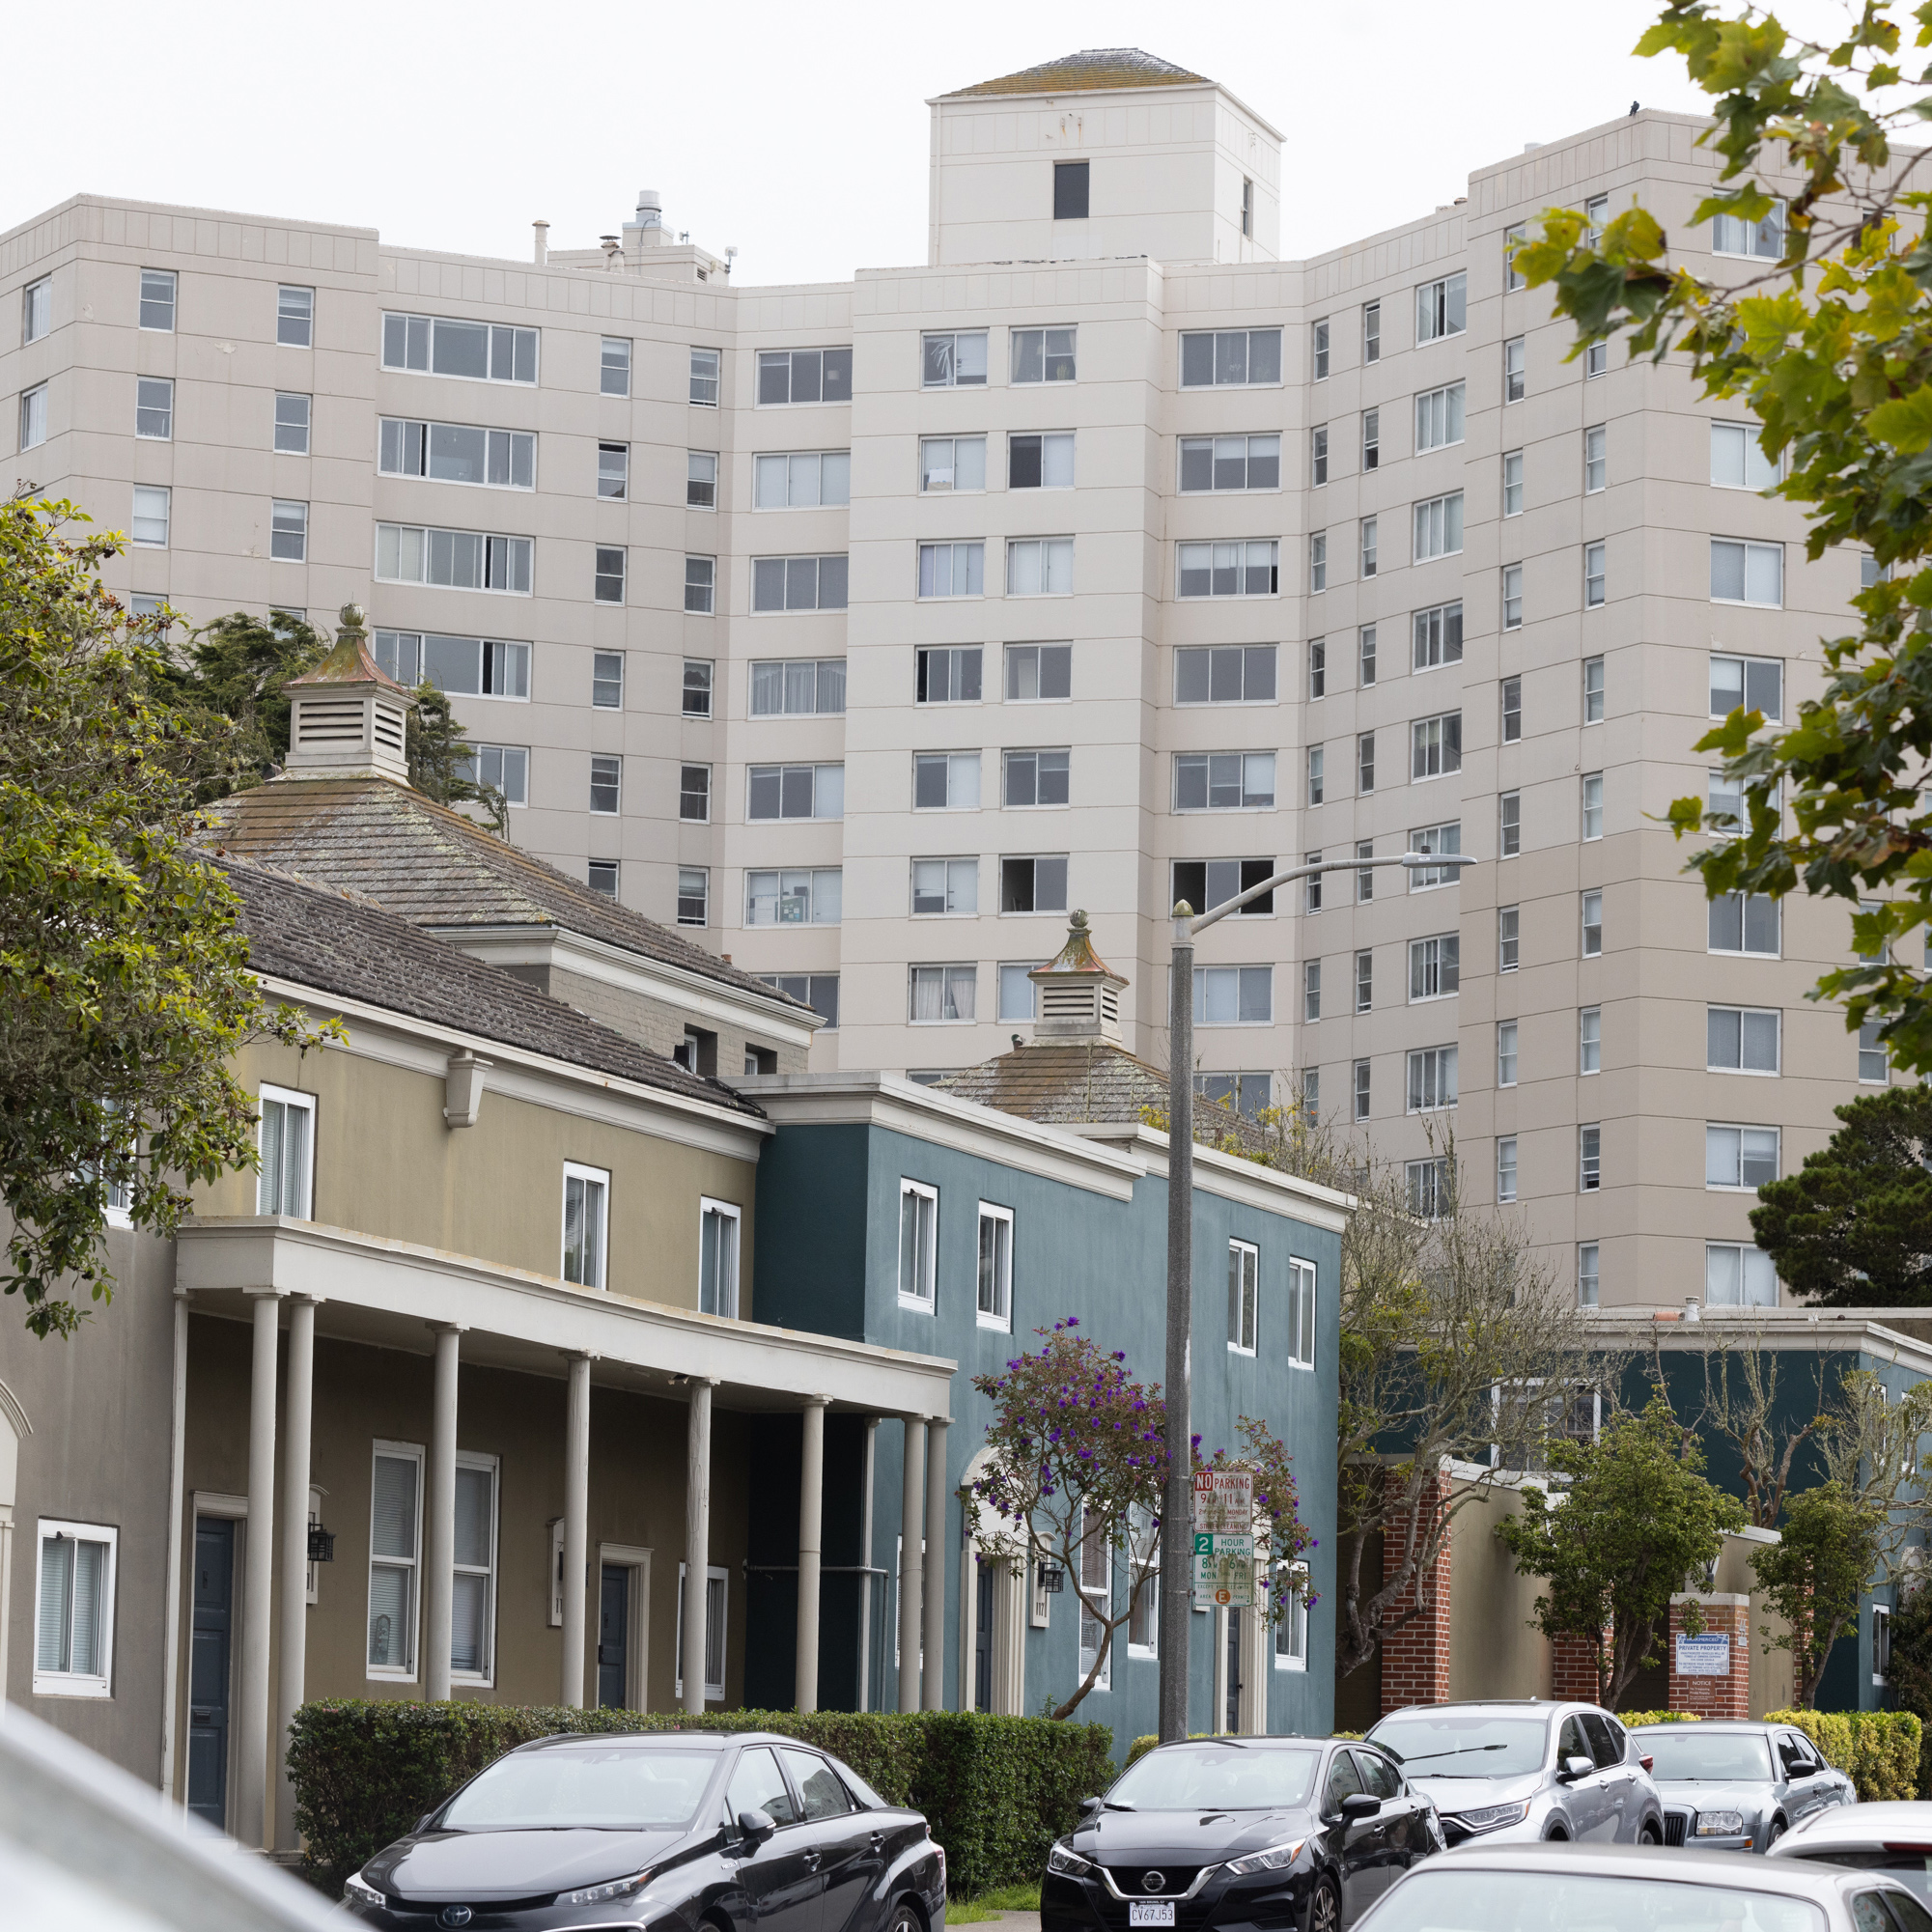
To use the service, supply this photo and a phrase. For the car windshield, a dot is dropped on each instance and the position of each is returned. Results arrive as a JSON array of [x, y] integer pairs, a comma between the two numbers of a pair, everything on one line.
[[1912, 1868], [1697, 1751], [605, 1789], [1216, 1778], [1463, 1745], [1559, 1901]]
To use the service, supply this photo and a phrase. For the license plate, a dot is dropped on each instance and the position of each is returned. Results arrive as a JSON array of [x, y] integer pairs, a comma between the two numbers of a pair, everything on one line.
[[1150, 1912]]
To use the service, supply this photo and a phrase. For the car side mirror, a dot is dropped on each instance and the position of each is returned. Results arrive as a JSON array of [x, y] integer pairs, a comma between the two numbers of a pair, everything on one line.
[[423, 1824], [1576, 1767], [1357, 1805], [1647, 1761], [757, 1826], [1089, 1806]]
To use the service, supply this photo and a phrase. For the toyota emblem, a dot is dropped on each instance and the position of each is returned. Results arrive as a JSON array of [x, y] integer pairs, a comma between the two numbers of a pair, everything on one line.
[[1152, 1881], [454, 1916]]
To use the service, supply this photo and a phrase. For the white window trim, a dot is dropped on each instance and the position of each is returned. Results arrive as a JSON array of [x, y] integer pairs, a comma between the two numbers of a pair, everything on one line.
[[1749, 1072], [990, 1211], [1712, 1187], [734, 1214], [714, 1692], [576, 1170], [466, 1459], [1297, 1610], [72, 1682], [444, 375], [926, 1305], [391, 1673], [1236, 1245], [289, 1096], [1298, 1267]]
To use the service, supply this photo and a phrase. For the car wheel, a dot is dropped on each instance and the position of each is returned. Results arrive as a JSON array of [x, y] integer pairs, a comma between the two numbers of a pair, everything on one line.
[[1650, 1835], [1559, 1836], [1778, 1827], [903, 1918], [1325, 1912]]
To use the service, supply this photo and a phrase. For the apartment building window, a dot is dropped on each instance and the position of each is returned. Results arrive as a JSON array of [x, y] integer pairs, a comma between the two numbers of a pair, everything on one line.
[[289, 532], [1034, 884], [1874, 1057], [1591, 1040], [1371, 332], [34, 419], [1512, 597], [1311, 988], [1738, 1276], [1042, 354], [1069, 190], [1437, 637], [1512, 710], [1362, 1089], [1040, 567], [148, 527], [798, 687], [1505, 1053], [704, 377], [467, 666], [1230, 462], [292, 424], [1016, 992], [1593, 805], [695, 696], [1763, 240], [1591, 905], [1753, 683], [1514, 365], [442, 345], [1746, 573], [155, 408], [952, 462], [1594, 575], [952, 570], [1438, 417], [1216, 358], [1364, 764], [461, 453], [586, 1208], [995, 1305], [1593, 690], [1244, 1093], [505, 768], [614, 366], [395, 1553], [1509, 939], [1316, 761], [1364, 878], [1205, 883], [953, 361], [1741, 1040], [1505, 1168], [1318, 561], [1434, 968], [1512, 483], [1224, 781], [1243, 1295], [1365, 657], [1365, 980], [819, 991], [1744, 922], [947, 675], [1437, 839], [806, 480], [1318, 339], [1234, 996], [1318, 668], [941, 994], [789, 375], [795, 791], [1439, 526], [1036, 777], [1738, 461], [456, 559], [1436, 745], [158, 300], [605, 782], [614, 471], [718, 1224], [1431, 1079], [1587, 1273], [1596, 359], [700, 477], [1369, 562], [700, 585], [1743, 1158], [1312, 886], [1227, 674], [609, 577], [944, 885], [1589, 1159], [1513, 277], [693, 895], [798, 583], [1040, 673], [606, 680], [75, 1587], [1509, 825], [602, 877], [1247, 206], [802, 898], [1441, 308], [1043, 462], [296, 318], [945, 781], [285, 1137], [36, 309]]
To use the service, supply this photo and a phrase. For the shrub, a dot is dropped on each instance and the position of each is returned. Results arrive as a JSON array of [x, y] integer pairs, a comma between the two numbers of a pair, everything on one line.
[[1659, 1718], [997, 1791], [1879, 1748], [1139, 1748]]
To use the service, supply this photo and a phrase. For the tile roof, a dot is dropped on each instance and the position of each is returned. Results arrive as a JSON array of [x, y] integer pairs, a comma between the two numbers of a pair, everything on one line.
[[337, 942], [1091, 70], [437, 868]]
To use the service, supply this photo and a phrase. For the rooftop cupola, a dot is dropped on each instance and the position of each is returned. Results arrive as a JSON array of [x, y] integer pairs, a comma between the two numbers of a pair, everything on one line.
[[347, 717], [1079, 993]]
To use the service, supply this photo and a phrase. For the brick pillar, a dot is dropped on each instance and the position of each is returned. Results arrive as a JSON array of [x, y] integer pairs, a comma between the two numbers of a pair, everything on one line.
[[1726, 1695], [1415, 1658], [1573, 1670]]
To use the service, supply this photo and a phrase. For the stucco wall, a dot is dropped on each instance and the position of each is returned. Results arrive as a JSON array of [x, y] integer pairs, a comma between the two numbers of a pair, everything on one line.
[[1494, 1650]]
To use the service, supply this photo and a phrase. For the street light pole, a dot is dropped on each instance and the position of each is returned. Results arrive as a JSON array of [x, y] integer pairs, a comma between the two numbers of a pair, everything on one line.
[[1177, 1541]]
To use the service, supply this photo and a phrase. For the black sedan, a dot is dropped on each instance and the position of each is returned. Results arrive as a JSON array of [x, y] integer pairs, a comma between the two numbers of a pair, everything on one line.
[[673, 1831], [1299, 1833]]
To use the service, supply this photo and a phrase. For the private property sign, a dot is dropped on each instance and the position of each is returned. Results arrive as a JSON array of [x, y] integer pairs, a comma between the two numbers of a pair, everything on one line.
[[1706, 1656], [1225, 1539]]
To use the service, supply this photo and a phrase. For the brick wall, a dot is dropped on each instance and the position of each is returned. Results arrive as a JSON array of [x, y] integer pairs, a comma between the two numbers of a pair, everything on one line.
[[1573, 1669], [1415, 1658], [1725, 1697]]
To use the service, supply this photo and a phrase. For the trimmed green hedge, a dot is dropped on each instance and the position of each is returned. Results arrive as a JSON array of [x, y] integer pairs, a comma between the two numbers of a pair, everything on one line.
[[1879, 1748], [998, 1791], [1659, 1718]]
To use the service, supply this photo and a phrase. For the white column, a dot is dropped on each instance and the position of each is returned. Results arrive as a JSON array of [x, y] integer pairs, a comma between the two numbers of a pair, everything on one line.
[[291, 1634], [697, 1544], [171, 1639], [912, 1516], [865, 1580], [576, 1528], [811, 1527], [439, 1517], [933, 1592], [1219, 1725], [251, 1816]]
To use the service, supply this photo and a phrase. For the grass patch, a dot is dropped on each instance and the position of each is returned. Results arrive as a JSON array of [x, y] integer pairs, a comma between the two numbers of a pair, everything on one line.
[[991, 1904]]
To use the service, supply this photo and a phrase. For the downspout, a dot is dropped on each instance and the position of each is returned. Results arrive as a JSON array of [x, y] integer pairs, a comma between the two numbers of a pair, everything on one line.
[[171, 1649]]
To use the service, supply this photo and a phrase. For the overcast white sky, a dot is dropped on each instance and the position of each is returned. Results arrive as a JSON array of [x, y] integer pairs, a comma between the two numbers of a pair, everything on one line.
[[798, 133]]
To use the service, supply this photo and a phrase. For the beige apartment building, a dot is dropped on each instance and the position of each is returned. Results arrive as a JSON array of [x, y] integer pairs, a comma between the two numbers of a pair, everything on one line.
[[865, 628]]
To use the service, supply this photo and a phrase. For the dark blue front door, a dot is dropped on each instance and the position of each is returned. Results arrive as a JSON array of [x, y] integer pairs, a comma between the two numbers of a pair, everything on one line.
[[613, 1638], [208, 1668]]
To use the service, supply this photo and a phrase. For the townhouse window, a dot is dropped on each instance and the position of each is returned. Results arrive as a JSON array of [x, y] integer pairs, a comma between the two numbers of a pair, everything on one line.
[[487, 667], [693, 895], [1230, 462], [1591, 1040], [1436, 745], [1762, 240], [1206, 882], [155, 408], [1365, 879], [1744, 922], [953, 361], [798, 687], [1143, 1537], [1738, 461], [1318, 668], [952, 570], [717, 1257], [614, 366], [457, 559], [292, 424], [802, 479], [601, 876], [1040, 567], [1370, 561], [1505, 1168], [148, 529], [1593, 805], [1362, 1089], [1594, 575], [606, 680], [700, 585], [993, 1304], [1447, 839], [1036, 777], [1364, 764], [798, 583], [1438, 417], [1043, 355], [613, 471], [1593, 909], [695, 695], [1096, 1600], [1224, 781], [1364, 981], [1739, 1275], [1441, 308], [34, 421], [36, 309], [296, 318], [1744, 1157], [795, 792], [1874, 1056], [1318, 456], [158, 300], [1312, 888], [1043, 462], [1234, 996], [1429, 1185], [1513, 277], [1434, 968], [700, 477], [717, 1592], [1371, 440], [801, 898], [444, 346], [1042, 673], [605, 781], [1437, 637], [1371, 332], [948, 675], [1505, 1053], [1509, 938], [473, 1581], [1316, 760], [1318, 561], [952, 462], [1512, 483], [1243, 1295], [1589, 1159], [1431, 1079], [1741, 1040], [1751, 683], [819, 991], [1514, 366], [1311, 990], [1439, 526], [942, 994], [1069, 190], [788, 376], [74, 1609], [289, 532], [945, 781], [944, 885], [285, 1176], [1587, 1273], [704, 377], [1746, 573], [395, 1557], [1033, 884], [503, 768], [586, 1215], [1365, 657], [461, 453], [1512, 597], [1217, 358], [1593, 690], [1015, 991]]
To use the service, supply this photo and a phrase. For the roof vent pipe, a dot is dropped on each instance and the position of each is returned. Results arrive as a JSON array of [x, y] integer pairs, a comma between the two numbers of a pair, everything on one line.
[[540, 254], [1693, 1309], [650, 208]]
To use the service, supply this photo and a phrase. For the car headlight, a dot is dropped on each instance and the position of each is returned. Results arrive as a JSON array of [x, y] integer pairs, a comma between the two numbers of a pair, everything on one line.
[[1067, 1865], [603, 1895], [1273, 1859], [357, 1887], [1720, 1824], [1493, 1817]]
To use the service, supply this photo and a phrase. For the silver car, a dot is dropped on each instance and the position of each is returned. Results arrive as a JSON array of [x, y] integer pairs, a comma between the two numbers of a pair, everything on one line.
[[1738, 1788], [1894, 1838], [1526, 1771]]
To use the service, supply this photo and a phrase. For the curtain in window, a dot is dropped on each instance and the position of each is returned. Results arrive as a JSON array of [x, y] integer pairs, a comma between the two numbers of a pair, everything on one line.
[[51, 1650], [281, 1185], [718, 1265]]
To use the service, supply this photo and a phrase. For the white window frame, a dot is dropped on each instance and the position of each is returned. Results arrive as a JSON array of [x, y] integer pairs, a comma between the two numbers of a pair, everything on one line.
[[466, 1459], [927, 1262], [991, 1215], [1104, 1592], [77, 1683], [1302, 1306], [1508, 1167], [1751, 1073], [1294, 1621], [152, 490], [406, 317], [516, 563], [1741, 1128], [1748, 546], [385, 448], [731, 1213], [1742, 1250], [1246, 1320], [36, 301], [288, 1097], [714, 1573], [576, 1170], [413, 1617]]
